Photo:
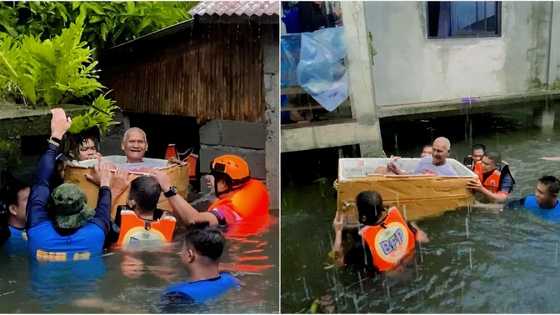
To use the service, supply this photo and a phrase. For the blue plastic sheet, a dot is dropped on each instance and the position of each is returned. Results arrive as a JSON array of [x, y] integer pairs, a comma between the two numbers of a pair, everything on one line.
[[291, 20], [321, 71], [289, 50]]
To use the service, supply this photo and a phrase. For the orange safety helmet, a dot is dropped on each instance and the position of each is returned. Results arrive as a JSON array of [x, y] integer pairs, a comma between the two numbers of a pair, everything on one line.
[[234, 167]]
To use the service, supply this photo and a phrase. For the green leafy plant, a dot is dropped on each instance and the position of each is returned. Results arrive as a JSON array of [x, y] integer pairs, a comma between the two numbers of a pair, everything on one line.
[[107, 23], [47, 50], [49, 72], [99, 114]]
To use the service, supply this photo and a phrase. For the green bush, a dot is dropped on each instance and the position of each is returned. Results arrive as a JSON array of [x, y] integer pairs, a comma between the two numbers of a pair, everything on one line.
[[99, 114], [49, 72], [107, 23], [47, 50]]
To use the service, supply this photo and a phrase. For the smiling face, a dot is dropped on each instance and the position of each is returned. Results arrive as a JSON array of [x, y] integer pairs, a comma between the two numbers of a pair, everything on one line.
[[134, 145]]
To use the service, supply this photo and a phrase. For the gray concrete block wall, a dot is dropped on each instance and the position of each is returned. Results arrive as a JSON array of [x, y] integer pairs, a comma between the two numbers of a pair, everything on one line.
[[232, 133], [272, 145], [255, 158]]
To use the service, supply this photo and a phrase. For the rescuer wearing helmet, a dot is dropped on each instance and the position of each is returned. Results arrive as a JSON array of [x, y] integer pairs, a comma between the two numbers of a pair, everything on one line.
[[239, 196]]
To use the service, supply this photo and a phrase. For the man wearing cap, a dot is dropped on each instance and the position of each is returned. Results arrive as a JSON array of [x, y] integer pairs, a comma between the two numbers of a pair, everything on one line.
[[77, 231], [240, 197]]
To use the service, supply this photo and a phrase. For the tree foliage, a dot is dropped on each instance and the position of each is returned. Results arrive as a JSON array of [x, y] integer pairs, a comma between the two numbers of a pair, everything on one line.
[[48, 72], [47, 50], [106, 24]]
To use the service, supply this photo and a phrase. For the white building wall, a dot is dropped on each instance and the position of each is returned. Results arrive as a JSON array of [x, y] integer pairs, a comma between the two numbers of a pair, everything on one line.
[[410, 68]]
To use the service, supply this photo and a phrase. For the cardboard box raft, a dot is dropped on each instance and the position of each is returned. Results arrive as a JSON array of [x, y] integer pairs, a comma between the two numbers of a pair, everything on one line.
[[416, 196], [178, 173]]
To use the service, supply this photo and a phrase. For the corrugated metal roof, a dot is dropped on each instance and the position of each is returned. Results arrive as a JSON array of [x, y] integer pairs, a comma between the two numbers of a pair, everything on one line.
[[229, 8]]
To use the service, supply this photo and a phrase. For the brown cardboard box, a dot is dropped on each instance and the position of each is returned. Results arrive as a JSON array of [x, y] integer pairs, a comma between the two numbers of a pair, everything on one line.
[[179, 175], [416, 196]]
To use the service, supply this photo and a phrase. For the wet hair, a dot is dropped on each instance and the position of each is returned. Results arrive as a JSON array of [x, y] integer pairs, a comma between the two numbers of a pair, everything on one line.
[[370, 207], [82, 142], [494, 156], [207, 241], [72, 143], [479, 146], [145, 191], [552, 184], [10, 192], [9, 196]]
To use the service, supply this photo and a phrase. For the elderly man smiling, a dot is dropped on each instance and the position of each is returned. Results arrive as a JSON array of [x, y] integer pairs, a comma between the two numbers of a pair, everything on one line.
[[134, 145], [435, 164]]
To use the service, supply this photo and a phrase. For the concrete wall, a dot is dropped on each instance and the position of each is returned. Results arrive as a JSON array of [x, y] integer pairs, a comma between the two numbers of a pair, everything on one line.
[[246, 139], [363, 129], [272, 94], [410, 68]]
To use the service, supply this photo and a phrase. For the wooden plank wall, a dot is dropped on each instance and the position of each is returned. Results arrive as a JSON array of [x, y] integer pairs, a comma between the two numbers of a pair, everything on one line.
[[211, 71]]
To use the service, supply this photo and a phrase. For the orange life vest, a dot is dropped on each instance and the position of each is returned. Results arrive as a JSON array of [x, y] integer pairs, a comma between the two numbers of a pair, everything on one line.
[[248, 201], [492, 182], [477, 168], [135, 229], [390, 241]]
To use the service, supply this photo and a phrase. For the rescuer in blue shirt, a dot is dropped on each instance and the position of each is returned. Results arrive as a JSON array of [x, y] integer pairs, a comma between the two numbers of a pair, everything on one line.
[[12, 212], [544, 203], [77, 232], [202, 249]]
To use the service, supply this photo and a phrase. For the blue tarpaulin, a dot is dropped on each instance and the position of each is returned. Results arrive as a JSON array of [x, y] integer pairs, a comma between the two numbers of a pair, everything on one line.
[[319, 65]]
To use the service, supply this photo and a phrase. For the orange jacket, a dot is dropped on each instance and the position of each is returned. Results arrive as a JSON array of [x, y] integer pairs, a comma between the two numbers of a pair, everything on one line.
[[390, 241], [249, 201], [492, 182], [477, 168], [135, 229]]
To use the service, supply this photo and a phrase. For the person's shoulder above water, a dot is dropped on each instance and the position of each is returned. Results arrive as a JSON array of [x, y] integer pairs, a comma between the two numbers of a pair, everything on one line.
[[203, 290], [530, 203]]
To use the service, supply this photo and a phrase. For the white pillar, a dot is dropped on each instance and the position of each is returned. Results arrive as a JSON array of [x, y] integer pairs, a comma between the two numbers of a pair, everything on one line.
[[360, 75]]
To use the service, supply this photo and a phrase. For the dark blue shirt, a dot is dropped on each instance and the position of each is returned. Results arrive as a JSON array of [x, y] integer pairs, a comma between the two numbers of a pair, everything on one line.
[[45, 242], [507, 183]]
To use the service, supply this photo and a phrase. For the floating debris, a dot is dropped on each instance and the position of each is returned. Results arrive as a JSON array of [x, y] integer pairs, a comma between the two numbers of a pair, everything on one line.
[[8, 293]]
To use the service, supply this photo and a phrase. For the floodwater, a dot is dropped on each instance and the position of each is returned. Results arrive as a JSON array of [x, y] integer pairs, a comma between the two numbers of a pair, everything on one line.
[[133, 283], [478, 261]]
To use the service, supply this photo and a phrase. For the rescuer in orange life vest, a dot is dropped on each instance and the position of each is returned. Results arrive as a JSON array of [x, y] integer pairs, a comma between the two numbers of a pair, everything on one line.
[[492, 182], [239, 196], [140, 223], [389, 237]]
